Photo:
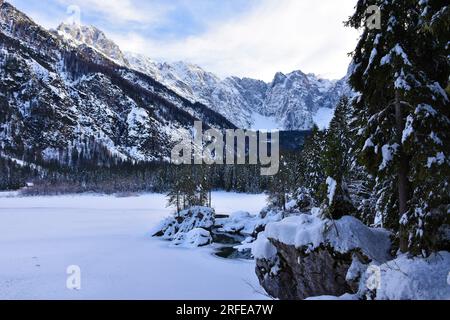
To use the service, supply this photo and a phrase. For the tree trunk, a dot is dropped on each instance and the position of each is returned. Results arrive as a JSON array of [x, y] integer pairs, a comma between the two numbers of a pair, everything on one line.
[[403, 169], [210, 200]]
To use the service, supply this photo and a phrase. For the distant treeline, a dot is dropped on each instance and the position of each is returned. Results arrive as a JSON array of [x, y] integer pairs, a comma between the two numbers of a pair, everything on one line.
[[126, 177], [94, 169]]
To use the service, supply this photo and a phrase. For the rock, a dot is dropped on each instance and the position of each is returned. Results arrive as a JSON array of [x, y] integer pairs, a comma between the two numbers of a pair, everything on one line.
[[245, 224], [178, 228], [301, 275], [197, 237], [305, 256], [93, 37]]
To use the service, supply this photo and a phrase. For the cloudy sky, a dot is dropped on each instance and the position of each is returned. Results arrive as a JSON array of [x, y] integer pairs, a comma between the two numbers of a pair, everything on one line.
[[252, 38]]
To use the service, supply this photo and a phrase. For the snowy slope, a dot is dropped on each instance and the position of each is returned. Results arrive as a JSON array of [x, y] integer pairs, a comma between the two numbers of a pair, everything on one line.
[[415, 278], [295, 101], [64, 100]]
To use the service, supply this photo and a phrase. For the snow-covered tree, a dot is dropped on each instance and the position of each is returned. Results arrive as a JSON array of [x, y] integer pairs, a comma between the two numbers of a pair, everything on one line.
[[312, 174], [191, 186], [282, 185], [399, 73], [337, 160]]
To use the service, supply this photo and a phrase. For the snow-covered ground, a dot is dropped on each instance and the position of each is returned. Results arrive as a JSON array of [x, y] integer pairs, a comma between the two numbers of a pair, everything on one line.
[[108, 238]]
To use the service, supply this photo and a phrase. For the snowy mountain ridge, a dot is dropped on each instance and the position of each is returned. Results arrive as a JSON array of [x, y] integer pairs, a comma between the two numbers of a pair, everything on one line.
[[67, 102], [93, 37], [290, 102], [70, 95], [293, 101]]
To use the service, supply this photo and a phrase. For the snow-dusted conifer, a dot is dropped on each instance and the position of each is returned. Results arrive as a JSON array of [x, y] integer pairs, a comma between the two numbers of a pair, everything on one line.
[[336, 159], [400, 72]]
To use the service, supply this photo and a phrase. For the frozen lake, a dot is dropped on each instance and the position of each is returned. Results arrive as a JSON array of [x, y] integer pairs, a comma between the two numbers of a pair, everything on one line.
[[109, 239]]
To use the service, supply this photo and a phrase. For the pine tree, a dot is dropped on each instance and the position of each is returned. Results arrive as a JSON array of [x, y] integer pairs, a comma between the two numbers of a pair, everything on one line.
[[174, 197], [312, 174], [337, 160], [281, 185], [191, 186], [399, 72]]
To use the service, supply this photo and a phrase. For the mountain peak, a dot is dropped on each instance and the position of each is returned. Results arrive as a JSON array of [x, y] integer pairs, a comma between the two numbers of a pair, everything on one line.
[[93, 37], [279, 77]]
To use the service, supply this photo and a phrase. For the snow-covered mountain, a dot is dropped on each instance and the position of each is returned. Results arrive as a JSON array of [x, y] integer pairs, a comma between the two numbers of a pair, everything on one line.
[[295, 101], [93, 37], [71, 93], [234, 98], [68, 101]]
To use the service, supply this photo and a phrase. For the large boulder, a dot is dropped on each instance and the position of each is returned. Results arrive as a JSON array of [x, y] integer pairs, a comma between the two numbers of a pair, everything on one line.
[[306, 256], [184, 228]]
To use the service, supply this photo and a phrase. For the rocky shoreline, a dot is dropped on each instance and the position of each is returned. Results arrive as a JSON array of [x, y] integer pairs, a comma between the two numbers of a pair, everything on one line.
[[304, 256]]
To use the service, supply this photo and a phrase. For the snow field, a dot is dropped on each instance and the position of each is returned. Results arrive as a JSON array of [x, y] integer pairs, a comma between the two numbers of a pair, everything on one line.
[[109, 239]]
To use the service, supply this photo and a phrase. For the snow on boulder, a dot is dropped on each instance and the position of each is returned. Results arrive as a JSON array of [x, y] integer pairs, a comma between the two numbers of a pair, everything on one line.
[[344, 235], [262, 248], [177, 227], [197, 237], [409, 279], [239, 222], [345, 297], [244, 223], [305, 256]]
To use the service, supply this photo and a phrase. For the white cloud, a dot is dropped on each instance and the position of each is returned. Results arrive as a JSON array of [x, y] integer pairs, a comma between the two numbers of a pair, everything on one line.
[[121, 11], [279, 35]]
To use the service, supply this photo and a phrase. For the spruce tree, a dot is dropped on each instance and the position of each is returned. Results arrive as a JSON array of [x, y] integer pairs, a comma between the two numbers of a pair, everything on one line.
[[336, 162], [281, 185], [312, 165], [399, 73], [174, 196]]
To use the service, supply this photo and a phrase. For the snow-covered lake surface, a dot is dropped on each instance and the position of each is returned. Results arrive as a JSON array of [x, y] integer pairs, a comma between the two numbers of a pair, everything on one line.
[[109, 239]]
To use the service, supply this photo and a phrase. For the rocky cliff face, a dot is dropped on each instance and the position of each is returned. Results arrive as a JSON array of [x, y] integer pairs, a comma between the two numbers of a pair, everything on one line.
[[64, 102], [91, 36], [297, 275], [294, 99]]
